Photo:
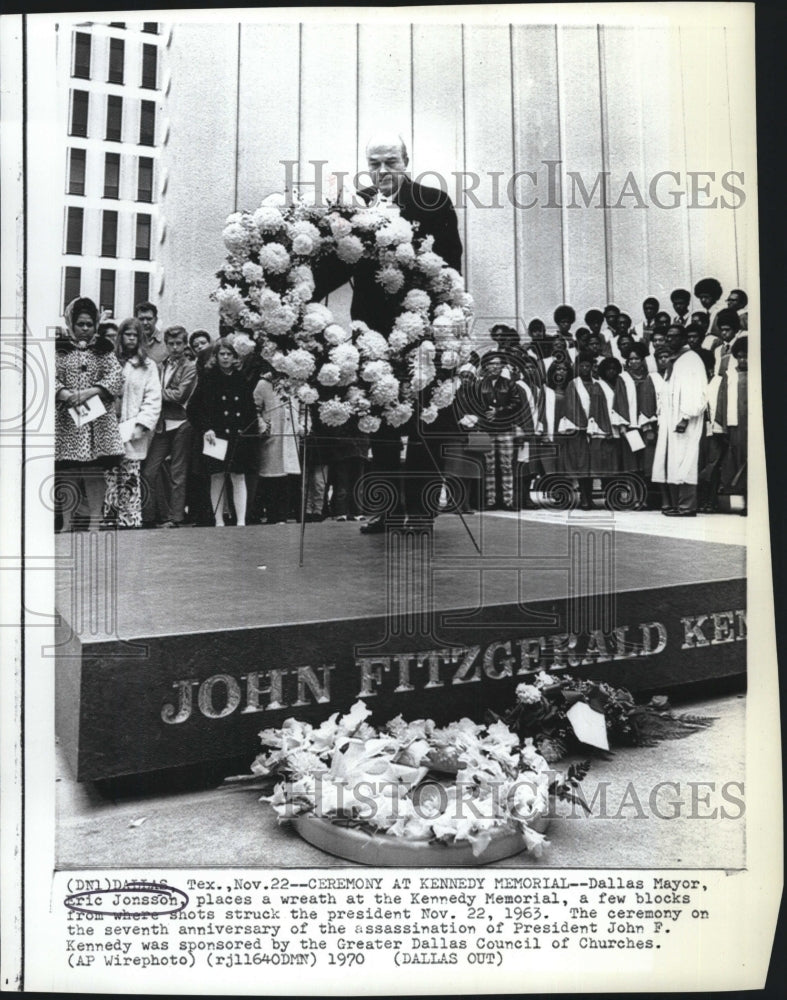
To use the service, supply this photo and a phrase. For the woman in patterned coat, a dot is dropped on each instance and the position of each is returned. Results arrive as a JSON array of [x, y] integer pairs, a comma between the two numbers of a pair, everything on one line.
[[85, 367]]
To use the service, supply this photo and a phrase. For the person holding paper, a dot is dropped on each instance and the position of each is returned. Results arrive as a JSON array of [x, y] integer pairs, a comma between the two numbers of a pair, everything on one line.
[[222, 411], [88, 379], [138, 409], [173, 435]]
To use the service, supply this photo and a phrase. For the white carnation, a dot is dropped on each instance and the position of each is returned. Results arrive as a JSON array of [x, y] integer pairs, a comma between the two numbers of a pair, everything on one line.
[[374, 370], [385, 390], [235, 238], [368, 424], [340, 227], [430, 264], [399, 414], [345, 356], [349, 249], [411, 324], [304, 228], [335, 334], [299, 364], [329, 374], [252, 272], [397, 341], [405, 255], [277, 322], [274, 258], [230, 301], [429, 414], [268, 219], [443, 394], [372, 345], [365, 220], [334, 413], [306, 394], [316, 318], [391, 279], [417, 300], [304, 246]]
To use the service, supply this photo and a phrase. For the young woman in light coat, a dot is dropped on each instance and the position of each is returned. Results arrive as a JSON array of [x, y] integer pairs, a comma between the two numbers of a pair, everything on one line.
[[138, 412]]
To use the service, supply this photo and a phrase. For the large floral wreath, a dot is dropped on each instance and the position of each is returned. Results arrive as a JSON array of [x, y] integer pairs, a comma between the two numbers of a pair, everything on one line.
[[357, 377]]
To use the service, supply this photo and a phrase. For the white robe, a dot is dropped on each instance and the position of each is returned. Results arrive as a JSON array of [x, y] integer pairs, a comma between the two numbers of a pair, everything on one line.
[[685, 397]]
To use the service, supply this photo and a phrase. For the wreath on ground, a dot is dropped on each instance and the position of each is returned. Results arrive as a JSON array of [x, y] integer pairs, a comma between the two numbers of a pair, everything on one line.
[[357, 377]]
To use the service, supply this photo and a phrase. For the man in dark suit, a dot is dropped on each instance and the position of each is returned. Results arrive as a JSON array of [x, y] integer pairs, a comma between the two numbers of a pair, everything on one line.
[[431, 208]]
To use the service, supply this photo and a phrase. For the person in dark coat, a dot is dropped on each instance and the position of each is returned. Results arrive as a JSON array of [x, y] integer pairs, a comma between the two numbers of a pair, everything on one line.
[[222, 408], [434, 212]]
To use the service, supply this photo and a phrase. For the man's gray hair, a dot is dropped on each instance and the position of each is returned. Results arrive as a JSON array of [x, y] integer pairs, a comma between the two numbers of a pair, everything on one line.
[[387, 139]]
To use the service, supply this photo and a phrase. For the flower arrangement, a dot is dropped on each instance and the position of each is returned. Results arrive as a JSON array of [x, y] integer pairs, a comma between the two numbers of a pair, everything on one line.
[[545, 712], [414, 780], [356, 376]]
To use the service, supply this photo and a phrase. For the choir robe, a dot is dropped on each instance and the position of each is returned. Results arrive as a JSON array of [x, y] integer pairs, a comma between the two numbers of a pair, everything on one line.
[[573, 427], [713, 444], [677, 454], [551, 411], [635, 401], [603, 430], [529, 427], [732, 412]]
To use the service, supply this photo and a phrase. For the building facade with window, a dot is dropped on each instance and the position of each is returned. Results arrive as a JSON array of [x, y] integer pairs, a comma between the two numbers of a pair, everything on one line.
[[111, 76]]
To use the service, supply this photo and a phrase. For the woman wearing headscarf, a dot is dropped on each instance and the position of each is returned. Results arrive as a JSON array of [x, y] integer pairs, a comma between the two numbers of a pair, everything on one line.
[[85, 369]]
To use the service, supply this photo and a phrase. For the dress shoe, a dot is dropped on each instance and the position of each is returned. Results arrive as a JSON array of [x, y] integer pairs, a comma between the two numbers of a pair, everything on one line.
[[669, 511], [376, 526], [681, 513]]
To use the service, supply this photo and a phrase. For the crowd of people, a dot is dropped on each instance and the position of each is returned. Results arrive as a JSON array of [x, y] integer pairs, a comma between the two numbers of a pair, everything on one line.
[[166, 429]]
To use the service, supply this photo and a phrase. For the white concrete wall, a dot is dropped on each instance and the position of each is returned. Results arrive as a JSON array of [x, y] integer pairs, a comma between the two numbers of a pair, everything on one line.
[[470, 98]]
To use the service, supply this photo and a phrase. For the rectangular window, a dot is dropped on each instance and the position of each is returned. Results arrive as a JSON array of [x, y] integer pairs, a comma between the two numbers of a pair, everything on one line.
[[74, 225], [142, 251], [141, 286], [149, 63], [117, 24], [151, 27], [114, 118], [109, 234], [72, 284], [145, 179], [147, 123], [81, 56], [79, 108], [117, 52], [111, 175], [106, 299], [76, 171]]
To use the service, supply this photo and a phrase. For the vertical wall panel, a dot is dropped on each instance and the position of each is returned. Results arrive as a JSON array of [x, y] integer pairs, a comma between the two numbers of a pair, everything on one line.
[[708, 149], [658, 52], [201, 157], [580, 114], [740, 73], [489, 148], [268, 127], [624, 123], [384, 83], [438, 133], [536, 139], [328, 105]]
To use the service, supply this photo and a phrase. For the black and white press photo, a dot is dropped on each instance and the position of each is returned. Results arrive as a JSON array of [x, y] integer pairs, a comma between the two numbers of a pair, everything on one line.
[[396, 573]]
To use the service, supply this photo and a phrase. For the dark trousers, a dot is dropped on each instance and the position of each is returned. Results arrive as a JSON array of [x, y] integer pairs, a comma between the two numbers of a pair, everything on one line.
[[346, 474], [683, 496], [423, 476], [380, 489], [176, 444]]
